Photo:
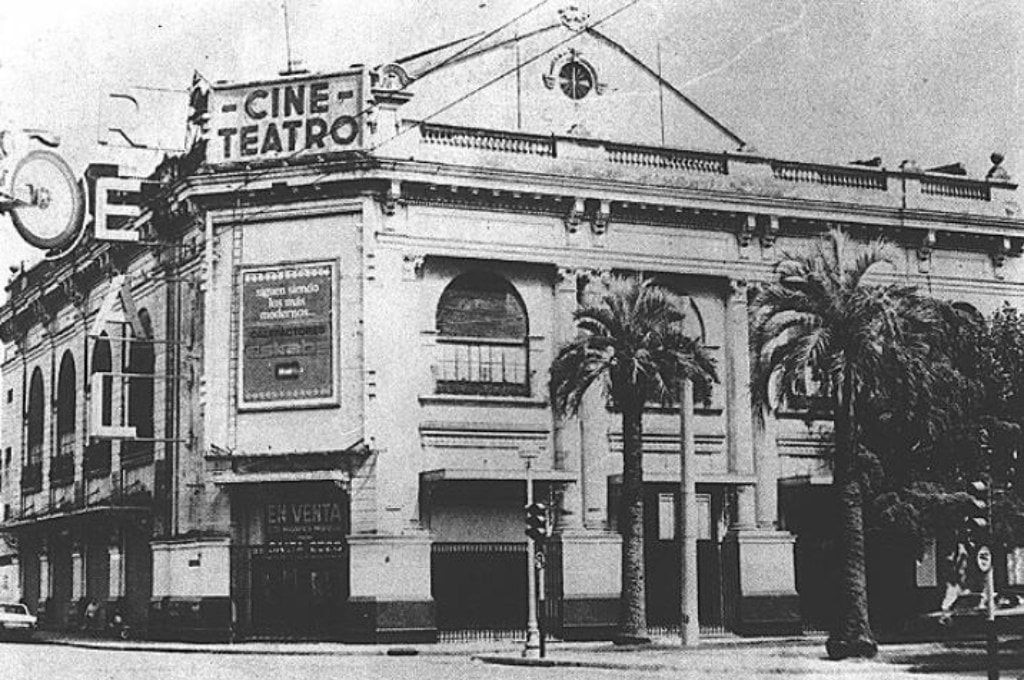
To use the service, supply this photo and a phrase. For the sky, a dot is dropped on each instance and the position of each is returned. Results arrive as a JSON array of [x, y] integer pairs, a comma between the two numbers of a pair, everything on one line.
[[938, 81]]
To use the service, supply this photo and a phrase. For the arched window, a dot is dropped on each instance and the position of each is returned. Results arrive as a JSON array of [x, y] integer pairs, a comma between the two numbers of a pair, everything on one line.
[[62, 469], [97, 453], [32, 475], [141, 363], [483, 333]]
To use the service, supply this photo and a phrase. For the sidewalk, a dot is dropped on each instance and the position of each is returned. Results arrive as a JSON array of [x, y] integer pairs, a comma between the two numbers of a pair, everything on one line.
[[771, 658], [483, 649], [722, 657]]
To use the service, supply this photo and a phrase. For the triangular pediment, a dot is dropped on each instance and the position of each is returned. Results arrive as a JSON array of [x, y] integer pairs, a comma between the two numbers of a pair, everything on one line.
[[556, 80]]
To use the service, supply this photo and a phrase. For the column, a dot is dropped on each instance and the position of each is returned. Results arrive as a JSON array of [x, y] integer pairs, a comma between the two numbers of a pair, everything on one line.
[[745, 518], [595, 421], [389, 552], [568, 455], [591, 555], [45, 584], [77, 573], [737, 348], [767, 470], [116, 560]]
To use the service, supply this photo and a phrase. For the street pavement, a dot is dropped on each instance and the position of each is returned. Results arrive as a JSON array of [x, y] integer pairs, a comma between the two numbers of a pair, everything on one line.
[[59, 658]]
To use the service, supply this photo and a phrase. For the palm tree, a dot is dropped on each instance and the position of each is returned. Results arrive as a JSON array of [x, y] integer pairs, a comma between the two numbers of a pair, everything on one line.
[[862, 341], [632, 346]]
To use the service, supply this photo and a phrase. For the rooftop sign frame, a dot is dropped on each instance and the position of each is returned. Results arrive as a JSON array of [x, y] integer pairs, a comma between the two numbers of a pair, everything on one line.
[[288, 117]]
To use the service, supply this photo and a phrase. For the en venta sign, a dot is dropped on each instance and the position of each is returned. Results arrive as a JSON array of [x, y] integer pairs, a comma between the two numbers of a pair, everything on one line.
[[287, 336], [286, 118], [304, 520]]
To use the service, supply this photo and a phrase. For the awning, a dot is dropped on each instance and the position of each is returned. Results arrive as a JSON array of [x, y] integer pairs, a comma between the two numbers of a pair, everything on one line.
[[493, 475], [93, 511], [673, 478], [806, 480], [230, 477]]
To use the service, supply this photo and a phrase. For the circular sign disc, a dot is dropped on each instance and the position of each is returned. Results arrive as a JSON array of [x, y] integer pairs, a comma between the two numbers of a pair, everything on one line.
[[984, 558], [49, 209]]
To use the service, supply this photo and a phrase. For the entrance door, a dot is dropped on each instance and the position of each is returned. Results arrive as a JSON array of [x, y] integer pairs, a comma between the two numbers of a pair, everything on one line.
[[298, 597], [663, 558]]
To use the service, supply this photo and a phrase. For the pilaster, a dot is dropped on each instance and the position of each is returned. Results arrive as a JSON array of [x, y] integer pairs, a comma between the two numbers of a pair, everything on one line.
[[767, 469], [737, 344], [389, 590], [595, 423], [567, 430]]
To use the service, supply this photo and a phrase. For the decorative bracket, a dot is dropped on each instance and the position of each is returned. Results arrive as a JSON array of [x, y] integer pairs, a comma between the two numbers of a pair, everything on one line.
[[601, 218], [575, 215], [747, 230], [413, 266], [738, 290], [999, 257], [771, 232], [389, 199], [924, 251]]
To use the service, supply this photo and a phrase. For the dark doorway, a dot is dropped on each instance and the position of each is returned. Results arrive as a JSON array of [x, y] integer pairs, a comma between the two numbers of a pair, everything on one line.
[[663, 559], [479, 586], [299, 596]]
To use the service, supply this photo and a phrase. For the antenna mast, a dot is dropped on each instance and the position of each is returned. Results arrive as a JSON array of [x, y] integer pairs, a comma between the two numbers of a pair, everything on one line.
[[292, 66]]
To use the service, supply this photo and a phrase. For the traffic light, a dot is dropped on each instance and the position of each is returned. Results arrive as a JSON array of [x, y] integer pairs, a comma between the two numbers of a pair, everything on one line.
[[537, 521], [977, 519]]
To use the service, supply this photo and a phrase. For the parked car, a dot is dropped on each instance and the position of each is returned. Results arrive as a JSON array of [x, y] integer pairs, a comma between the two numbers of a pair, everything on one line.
[[15, 620]]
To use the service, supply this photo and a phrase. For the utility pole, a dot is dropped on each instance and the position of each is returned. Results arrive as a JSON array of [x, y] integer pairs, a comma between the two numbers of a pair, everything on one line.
[[689, 627]]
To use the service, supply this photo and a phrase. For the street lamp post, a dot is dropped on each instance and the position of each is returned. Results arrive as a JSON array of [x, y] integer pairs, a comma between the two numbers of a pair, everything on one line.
[[689, 629], [531, 649]]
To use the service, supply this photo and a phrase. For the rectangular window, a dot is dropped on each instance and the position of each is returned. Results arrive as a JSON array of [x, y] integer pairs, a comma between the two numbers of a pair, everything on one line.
[[704, 532], [1015, 567], [482, 366], [927, 575], [10, 396], [666, 517]]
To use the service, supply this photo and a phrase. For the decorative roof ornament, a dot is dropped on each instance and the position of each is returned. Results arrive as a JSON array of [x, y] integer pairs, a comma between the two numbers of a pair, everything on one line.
[[389, 77], [998, 173], [573, 18]]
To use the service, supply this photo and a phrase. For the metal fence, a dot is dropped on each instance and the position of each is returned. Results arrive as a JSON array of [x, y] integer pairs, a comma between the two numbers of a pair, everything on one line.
[[479, 590]]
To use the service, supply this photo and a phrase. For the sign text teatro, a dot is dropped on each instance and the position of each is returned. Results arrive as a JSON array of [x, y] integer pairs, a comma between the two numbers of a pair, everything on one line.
[[286, 118]]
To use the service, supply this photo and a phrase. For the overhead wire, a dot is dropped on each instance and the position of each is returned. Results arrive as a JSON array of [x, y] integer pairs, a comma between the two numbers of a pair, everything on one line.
[[252, 177], [480, 88]]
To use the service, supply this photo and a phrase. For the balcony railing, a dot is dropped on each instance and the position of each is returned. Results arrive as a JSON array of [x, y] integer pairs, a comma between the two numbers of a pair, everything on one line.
[[687, 161], [97, 459], [62, 470], [32, 478], [483, 366], [854, 178], [487, 140], [955, 188], [135, 453]]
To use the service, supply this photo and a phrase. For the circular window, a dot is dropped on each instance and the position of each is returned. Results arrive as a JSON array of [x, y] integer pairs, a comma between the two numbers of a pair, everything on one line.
[[575, 79]]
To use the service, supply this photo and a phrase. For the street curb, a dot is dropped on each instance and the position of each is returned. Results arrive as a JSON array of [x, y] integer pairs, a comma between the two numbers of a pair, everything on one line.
[[242, 650], [494, 655], [570, 663]]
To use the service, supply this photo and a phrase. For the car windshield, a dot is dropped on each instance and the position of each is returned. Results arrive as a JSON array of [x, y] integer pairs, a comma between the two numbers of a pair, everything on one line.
[[13, 609]]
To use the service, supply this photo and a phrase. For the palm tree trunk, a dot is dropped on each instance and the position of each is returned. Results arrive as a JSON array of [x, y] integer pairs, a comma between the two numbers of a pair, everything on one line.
[[851, 634], [633, 628]]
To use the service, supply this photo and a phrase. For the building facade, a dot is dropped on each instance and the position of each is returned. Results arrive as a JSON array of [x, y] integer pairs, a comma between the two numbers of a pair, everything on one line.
[[304, 401]]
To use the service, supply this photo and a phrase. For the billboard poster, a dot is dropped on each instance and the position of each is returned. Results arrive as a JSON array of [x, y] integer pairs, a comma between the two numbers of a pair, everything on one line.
[[288, 351], [284, 119]]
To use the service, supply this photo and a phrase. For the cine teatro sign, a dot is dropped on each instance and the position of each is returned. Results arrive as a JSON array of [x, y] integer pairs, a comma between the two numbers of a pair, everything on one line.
[[285, 118]]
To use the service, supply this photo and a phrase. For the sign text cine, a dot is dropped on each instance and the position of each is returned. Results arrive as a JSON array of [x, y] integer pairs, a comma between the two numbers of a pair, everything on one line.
[[292, 118]]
